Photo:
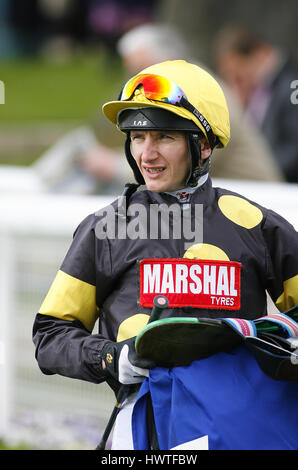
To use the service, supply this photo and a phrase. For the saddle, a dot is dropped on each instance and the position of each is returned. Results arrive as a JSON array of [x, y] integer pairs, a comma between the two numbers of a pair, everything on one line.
[[177, 341]]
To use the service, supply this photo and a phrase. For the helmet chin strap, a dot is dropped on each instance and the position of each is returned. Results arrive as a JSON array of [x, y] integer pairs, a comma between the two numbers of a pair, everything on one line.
[[198, 167], [131, 161]]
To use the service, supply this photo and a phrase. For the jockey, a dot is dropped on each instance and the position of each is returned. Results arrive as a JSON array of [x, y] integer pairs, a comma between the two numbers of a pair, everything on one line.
[[212, 252]]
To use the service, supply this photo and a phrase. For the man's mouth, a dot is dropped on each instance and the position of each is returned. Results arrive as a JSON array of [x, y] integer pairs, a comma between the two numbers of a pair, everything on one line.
[[154, 170]]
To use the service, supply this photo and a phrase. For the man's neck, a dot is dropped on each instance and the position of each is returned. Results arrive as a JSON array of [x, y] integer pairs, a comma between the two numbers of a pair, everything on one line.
[[184, 194]]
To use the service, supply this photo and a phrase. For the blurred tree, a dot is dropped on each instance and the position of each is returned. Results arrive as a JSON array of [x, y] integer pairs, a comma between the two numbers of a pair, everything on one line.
[[199, 21]]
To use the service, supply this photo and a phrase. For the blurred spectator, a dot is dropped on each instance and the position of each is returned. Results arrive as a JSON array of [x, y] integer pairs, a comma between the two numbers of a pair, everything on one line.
[[40, 24], [65, 26], [81, 163], [261, 75], [25, 20], [108, 19], [57, 26], [7, 45], [148, 44]]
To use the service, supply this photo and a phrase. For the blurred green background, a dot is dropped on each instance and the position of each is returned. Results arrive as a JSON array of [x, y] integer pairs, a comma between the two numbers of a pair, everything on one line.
[[58, 64], [47, 94], [44, 98]]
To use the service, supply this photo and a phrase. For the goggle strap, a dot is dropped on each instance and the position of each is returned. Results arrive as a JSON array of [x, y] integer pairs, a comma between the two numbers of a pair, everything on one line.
[[132, 163], [187, 105]]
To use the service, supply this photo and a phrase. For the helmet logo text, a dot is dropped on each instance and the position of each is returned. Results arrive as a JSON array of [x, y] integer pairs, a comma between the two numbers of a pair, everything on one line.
[[140, 123]]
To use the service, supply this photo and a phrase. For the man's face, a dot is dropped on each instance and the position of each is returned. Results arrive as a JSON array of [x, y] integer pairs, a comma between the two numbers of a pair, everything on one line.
[[138, 60], [239, 73], [162, 158]]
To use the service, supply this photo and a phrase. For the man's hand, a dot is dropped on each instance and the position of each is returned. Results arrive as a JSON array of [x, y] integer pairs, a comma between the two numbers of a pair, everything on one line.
[[102, 163], [120, 361]]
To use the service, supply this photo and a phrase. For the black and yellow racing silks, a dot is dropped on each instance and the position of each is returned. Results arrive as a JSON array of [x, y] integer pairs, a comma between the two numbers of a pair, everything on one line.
[[99, 277]]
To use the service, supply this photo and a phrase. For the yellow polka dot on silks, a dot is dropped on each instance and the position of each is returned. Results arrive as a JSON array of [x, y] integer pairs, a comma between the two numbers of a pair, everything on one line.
[[132, 326], [205, 251], [240, 211]]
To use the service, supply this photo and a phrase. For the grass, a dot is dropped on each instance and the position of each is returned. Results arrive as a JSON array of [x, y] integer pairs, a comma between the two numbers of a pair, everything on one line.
[[46, 92], [5, 446], [43, 90]]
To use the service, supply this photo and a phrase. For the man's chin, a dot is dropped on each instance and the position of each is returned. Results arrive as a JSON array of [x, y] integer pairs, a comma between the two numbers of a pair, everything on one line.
[[156, 187]]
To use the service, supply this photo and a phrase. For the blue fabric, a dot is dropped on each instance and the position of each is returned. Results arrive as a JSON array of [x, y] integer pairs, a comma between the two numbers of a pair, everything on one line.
[[225, 396]]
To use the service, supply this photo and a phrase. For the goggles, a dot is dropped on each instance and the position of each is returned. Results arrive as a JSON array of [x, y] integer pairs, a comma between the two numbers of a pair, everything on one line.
[[158, 88]]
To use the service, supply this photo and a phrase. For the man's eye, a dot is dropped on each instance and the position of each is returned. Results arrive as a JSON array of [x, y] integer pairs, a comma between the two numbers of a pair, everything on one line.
[[136, 136]]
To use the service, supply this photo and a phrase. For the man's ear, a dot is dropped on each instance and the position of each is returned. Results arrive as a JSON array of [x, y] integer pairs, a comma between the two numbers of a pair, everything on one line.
[[205, 149]]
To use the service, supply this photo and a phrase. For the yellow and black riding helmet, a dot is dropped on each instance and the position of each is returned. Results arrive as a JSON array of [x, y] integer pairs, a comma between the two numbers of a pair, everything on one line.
[[173, 96]]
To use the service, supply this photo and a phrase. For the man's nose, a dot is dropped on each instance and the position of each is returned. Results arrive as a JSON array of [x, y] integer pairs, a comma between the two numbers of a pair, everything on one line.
[[149, 151]]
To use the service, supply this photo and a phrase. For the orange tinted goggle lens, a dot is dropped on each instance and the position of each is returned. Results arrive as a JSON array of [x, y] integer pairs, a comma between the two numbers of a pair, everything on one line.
[[155, 88], [159, 88]]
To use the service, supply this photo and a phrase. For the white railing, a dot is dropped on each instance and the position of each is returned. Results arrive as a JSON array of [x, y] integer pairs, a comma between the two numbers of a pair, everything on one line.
[[35, 231]]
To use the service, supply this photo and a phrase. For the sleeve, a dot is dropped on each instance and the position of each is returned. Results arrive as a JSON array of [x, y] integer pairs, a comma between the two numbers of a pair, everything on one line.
[[62, 330], [281, 240], [67, 348]]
